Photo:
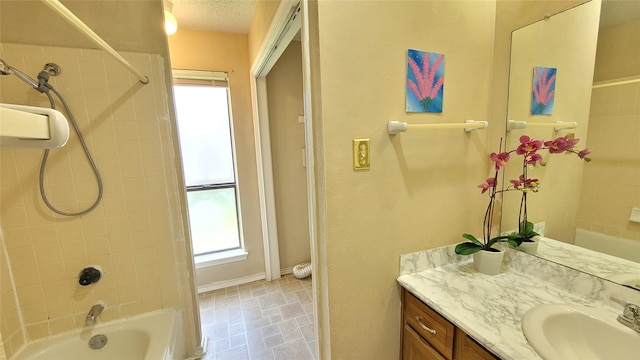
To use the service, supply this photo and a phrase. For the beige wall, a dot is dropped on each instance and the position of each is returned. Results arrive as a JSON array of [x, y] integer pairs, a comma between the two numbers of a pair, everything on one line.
[[136, 234], [284, 88], [216, 51], [132, 25], [611, 185], [573, 54], [618, 51], [421, 190], [262, 18]]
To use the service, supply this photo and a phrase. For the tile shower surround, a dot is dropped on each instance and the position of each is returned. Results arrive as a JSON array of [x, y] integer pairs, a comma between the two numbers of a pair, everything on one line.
[[135, 234]]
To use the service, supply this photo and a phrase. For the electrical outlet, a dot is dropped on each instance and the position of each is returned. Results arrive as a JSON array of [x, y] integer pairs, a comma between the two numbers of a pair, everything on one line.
[[361, 154]]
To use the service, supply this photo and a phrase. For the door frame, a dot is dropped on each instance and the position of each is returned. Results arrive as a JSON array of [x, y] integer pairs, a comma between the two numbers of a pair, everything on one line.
[[280, 33]]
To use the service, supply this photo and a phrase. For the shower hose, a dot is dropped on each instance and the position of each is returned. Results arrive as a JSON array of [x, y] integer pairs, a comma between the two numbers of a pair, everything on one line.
[[45, 156]]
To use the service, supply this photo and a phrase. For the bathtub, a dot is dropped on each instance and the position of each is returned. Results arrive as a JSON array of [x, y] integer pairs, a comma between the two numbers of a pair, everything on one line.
[[150, 336], [612, 245]]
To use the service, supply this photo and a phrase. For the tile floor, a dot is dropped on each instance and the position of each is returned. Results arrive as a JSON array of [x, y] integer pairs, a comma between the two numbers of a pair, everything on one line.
[[262, 320]]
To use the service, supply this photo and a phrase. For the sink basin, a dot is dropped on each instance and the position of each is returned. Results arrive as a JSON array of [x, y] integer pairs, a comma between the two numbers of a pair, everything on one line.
[[626, 279], [564, 331]]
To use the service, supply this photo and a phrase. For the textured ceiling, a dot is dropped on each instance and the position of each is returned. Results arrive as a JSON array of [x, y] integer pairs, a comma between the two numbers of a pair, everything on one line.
[[219, 15]]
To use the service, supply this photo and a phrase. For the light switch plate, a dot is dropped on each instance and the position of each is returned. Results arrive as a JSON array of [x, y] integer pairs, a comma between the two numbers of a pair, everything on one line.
[[361, 154]]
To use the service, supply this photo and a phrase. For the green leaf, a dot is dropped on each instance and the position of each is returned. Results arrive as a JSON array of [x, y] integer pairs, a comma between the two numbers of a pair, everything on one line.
[[528, 232], [515, 242], [468, 248], [496, 239], [472, 238], [529, 227]]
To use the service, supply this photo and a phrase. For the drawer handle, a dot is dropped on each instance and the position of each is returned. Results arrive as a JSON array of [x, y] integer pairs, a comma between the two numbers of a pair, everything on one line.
[[425, 327]]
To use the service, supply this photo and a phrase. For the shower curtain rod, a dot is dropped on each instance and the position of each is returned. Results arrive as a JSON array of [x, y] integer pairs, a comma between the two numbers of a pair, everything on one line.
[[623, 81], [72, 19]]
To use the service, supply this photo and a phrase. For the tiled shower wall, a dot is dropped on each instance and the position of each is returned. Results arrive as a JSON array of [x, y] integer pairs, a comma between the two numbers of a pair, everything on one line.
[[10, 324], [611, 185], [135, 235]]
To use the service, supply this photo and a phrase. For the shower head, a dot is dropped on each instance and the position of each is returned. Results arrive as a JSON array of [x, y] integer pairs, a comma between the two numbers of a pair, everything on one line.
[[5, 69]]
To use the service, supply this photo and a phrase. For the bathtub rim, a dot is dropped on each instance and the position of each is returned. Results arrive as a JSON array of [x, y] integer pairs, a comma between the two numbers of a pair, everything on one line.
[[168, 335]]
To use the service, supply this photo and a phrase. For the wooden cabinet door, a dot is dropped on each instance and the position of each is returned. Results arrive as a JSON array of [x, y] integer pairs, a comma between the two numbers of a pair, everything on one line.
[[415, 348], [468, 349]]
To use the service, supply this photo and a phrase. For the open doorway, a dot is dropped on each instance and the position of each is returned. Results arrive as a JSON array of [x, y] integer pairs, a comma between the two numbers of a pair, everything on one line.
[[288, 160], [274, 318]]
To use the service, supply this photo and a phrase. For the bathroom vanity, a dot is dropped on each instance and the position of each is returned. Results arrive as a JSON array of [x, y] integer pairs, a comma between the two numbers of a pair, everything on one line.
[[428, 335], [452, 312]]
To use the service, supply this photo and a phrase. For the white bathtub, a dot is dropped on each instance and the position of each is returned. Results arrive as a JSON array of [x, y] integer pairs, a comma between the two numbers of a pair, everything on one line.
[[150, 336], [612, 245]]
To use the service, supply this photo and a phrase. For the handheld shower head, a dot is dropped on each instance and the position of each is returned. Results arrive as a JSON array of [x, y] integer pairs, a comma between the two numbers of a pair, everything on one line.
[[5, 69]]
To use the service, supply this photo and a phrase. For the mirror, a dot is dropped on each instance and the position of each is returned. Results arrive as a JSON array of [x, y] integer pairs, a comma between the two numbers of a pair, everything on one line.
[[583, 209]]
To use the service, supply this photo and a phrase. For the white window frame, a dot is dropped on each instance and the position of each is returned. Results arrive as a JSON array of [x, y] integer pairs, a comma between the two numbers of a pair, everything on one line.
[[215, 78]]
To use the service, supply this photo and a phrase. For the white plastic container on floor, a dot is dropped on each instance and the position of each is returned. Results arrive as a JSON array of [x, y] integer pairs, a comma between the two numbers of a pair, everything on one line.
[[302, 271]]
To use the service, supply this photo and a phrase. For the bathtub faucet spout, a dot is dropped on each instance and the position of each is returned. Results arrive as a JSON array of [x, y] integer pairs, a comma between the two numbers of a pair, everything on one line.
[[93, 313]]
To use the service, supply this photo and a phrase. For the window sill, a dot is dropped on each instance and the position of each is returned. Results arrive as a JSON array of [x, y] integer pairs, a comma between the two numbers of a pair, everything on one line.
[[222, 257]]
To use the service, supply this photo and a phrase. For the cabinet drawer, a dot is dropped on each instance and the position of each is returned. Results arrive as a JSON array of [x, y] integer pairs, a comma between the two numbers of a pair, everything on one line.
[[432, 327], [415, 348]]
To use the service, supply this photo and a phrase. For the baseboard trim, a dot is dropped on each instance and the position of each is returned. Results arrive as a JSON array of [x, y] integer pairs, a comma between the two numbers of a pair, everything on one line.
[[217, 285]]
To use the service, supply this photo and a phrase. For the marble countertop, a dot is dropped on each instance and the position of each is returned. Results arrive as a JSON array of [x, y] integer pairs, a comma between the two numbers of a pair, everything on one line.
[[490, 308], [585, 260]]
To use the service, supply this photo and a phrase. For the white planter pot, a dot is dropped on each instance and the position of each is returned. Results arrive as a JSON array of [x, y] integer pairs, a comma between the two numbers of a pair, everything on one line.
[[530, 247], [488, 262]]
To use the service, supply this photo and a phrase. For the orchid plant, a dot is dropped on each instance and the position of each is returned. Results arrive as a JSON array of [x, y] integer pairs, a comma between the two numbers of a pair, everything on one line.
[[529, 150]]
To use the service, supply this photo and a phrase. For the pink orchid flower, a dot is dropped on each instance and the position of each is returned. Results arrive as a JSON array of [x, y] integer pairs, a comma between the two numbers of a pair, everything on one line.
[[583, 154], [533, 158], [500, 159], [520, 183], [488, 184], [528, 145], [561, 144]]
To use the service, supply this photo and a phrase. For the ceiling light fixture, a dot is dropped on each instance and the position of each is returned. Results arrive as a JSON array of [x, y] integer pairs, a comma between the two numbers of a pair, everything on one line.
[[170, 22]]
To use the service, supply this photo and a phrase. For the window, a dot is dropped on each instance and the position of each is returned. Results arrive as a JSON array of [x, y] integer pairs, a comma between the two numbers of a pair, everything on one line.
[[206, 145]]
